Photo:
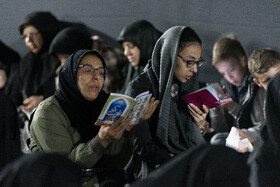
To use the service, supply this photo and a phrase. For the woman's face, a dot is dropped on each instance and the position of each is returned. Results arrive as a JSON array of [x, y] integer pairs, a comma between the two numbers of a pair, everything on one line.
[[233, 70], [191, 52], [32, 38], [132, 52], [89, 77]]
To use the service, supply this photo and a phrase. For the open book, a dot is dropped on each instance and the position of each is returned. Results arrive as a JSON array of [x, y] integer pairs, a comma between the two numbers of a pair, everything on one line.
[[211, 96], [119, 105]]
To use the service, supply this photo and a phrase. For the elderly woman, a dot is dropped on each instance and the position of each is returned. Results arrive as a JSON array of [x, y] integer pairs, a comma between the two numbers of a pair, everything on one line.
[[64, 123], [36, 76]]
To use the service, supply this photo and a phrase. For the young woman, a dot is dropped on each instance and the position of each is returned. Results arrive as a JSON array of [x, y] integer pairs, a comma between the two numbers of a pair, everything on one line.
[[170, 74], [138, 39], [64, 123]]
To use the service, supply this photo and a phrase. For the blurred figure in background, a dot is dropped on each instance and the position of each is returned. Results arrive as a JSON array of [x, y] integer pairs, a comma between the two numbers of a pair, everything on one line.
[[138, 39], [36, 78], [9, 60], [9, 131], [66, 42]]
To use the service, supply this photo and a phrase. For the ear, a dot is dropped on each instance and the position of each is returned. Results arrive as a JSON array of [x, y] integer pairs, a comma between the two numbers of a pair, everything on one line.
[[244, 61], [257, 82]]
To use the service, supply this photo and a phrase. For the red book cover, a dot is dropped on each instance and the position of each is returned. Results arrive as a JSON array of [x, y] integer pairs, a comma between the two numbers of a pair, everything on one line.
[[207, 96]]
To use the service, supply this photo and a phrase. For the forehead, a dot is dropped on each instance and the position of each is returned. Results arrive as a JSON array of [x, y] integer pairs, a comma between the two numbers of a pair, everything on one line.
[[192, 50], [92, 60], [269, 74], [127, 43], [227, 64], [30, 29]]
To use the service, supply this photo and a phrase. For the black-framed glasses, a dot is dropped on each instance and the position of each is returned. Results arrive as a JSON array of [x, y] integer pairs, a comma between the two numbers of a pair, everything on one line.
[[31, 35], [89, 70], [191, 63]]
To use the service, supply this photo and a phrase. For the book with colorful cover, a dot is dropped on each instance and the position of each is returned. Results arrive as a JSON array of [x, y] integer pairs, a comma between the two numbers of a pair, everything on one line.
[[211, 96], [118, 105]]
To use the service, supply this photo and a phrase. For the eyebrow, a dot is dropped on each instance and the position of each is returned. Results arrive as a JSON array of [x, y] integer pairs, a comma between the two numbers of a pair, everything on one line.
[[91, 65]]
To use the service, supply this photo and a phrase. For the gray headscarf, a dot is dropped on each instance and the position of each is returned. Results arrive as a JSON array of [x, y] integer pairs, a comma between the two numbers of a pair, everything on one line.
[[175, 128]]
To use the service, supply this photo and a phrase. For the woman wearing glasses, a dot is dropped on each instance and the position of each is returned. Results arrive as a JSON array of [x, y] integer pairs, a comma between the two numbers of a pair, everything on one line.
[[171, 73], [64, 123], [35, 80]]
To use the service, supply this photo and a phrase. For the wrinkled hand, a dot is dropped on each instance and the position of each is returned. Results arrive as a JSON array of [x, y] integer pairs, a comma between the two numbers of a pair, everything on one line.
[[31, 102], [147, 113], [198, 115], [242, 136], [3, 78], [108, 134]]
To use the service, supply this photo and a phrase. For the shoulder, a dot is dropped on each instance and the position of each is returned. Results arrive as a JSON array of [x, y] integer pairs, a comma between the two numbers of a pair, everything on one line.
[[139, 85], [48, 109]]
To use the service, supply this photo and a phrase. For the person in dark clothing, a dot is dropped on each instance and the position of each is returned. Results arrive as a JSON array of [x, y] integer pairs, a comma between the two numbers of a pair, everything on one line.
[[264, 65], [205, 166], [36, 78], [66, 42], [138, 39], [175, 126], [246, 110], [9, 131], [39, 170], [9, 60]]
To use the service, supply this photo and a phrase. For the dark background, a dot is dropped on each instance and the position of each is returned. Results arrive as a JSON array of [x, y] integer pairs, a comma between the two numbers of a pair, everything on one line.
[[255, 23]]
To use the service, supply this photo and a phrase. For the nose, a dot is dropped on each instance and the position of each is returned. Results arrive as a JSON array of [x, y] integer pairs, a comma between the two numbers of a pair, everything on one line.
[[127, 51], [96, 75], [194, 68]]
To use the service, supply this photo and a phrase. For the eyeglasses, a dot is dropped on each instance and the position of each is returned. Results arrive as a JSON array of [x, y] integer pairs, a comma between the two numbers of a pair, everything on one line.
[[88, 70], [30, 36], [191, 63]]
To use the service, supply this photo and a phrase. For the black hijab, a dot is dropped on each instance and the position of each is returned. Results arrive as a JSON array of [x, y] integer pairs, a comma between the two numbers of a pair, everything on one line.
[[205, 166], [81, 112]]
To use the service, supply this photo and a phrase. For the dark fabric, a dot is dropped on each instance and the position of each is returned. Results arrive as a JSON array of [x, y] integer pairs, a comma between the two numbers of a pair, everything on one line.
[[244, 96], [69, 40], [81, 112], [265, 160], [9, 131], [39, 170], [8, 56], [144, 35], [205, 166]]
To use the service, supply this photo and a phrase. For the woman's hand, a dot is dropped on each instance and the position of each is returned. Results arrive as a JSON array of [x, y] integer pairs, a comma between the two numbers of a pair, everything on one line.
[[31, 102], [199, 116], [108, 134], [147, 113]]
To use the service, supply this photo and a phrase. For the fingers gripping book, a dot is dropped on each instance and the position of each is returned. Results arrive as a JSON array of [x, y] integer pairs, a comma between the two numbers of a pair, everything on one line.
[[118, 105], [211, 96]]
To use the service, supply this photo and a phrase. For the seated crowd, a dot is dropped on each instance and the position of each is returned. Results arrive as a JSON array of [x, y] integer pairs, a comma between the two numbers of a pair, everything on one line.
[[51, 98]]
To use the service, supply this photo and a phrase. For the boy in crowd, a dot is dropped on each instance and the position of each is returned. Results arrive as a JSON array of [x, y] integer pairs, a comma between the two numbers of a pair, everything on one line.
[[264, 65], [246, 110]]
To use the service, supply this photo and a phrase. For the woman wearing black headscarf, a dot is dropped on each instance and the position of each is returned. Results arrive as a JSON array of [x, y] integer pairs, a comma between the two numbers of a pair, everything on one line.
[[64, 123], [138, 39], [170, 74], [35, 81]]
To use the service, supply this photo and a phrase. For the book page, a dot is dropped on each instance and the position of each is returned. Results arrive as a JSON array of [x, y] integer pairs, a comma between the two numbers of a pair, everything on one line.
[[116, 106], [139, 106]]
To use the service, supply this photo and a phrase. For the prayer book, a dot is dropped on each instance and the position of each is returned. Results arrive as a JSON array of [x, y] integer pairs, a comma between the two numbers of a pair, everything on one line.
[[211, 96], [118, 105]]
